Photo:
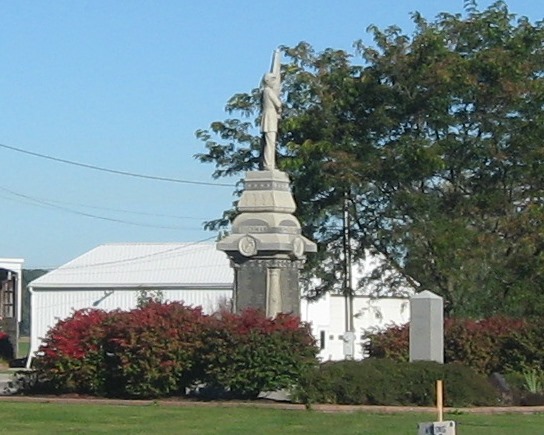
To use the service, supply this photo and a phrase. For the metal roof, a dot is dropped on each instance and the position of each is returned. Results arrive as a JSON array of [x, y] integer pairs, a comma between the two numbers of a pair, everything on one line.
[[143, 264]]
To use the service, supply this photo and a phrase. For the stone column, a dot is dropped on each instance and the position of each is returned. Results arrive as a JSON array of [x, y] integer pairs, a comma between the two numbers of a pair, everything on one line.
[[426, 327]]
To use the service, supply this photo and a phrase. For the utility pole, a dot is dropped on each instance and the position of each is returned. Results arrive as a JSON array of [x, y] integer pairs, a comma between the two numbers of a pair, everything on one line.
[[349, 334]]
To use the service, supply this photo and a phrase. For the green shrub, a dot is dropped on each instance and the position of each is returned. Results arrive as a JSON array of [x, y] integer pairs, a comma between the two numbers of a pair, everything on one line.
[[345, 382], [527, 388], [244, 355], [466, 387], [523, 350], [387, 382]]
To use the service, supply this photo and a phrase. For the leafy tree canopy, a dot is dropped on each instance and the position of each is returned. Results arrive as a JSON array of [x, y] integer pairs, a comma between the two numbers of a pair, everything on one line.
[[434, 139]]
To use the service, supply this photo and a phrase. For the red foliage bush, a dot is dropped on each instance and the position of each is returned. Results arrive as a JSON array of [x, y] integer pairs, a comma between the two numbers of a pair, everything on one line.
[[150, 351], [161, 350], [480, 344], [69, 358], [75, 336], [391, 343]]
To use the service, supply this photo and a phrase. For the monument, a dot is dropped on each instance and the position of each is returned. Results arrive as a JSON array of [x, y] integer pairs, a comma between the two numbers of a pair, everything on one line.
[[426, 327], [266, 247]]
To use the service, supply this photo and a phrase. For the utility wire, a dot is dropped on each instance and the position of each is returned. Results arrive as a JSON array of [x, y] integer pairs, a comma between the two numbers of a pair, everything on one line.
[[39, 202], [114, 171], [117, 210]]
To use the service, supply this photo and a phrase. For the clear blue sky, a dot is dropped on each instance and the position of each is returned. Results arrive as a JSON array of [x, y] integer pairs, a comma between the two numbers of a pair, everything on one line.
[[124, 85]]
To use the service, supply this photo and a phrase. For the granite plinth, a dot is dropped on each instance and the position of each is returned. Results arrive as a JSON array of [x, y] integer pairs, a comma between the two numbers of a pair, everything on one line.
[[266, 246]]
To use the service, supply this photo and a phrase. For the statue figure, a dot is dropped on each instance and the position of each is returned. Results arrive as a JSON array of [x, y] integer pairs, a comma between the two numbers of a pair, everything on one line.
[[270, 113]]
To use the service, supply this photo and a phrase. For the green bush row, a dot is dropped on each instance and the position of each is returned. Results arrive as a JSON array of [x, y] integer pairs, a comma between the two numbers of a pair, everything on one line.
[[491, 345], [386, 382], [160, 350]]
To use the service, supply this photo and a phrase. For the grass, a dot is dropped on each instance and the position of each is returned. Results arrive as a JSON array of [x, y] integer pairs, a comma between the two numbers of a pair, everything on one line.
[[50, 418]]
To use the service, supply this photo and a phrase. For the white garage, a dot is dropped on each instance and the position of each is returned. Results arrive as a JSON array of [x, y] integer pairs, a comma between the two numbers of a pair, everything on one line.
[[113, 275]]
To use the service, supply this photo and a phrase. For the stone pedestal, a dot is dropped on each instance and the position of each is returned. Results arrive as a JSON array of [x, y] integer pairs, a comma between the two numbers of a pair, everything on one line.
[[266, 246]]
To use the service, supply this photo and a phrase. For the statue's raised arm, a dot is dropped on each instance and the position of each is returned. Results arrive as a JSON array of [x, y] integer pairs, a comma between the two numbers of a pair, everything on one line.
[[270, 112]]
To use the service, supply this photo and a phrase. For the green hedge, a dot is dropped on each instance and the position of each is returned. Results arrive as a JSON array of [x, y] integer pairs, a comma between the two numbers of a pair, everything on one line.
[[387, 382]]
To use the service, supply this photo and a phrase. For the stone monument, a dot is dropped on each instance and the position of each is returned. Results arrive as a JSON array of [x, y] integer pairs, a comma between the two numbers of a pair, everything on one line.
[[426, 327], [266, 247]]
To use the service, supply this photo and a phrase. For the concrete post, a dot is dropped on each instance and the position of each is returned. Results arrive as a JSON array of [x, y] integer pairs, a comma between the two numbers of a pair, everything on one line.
[[427, 327]]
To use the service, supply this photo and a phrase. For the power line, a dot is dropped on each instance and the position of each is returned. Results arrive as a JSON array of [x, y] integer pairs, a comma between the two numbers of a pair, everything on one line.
[[39, 202], [114, 171], [118, 210]]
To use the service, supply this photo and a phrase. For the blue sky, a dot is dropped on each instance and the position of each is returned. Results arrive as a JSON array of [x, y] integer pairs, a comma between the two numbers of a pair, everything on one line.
[[125, 85]]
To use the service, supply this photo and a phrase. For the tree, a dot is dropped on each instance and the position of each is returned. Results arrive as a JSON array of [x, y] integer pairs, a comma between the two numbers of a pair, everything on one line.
[[434, 142]]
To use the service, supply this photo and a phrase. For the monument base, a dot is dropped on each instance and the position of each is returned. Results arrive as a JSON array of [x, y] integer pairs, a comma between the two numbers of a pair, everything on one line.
[[268, 283], [266, 246]]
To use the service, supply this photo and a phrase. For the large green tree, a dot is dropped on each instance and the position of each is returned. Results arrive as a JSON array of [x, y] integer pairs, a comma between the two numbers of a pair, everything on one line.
[[432, 140]]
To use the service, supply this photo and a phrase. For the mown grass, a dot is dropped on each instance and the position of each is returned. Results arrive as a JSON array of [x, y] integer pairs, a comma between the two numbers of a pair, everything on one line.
[[51, 418]]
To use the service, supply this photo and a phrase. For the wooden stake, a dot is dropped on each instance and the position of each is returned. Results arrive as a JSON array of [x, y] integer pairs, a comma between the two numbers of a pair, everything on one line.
[[439, 400]]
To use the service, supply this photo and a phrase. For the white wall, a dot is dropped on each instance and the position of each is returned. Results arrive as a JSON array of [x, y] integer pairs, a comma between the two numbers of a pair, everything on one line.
[[326, 316], [327, 319], [51, 305]]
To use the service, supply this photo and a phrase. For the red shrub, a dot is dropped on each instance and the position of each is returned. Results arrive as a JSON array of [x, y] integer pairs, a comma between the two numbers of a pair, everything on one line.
[[69, 359], [75, 336], [150, 350], [391, 343], [480, 344], [162, 349]]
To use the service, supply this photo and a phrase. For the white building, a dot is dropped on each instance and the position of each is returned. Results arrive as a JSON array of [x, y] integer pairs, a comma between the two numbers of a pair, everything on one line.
[[112, 276], [327, 317]]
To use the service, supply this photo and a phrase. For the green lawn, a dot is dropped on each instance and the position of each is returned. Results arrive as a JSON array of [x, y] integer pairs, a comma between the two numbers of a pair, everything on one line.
[[49, 418]]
